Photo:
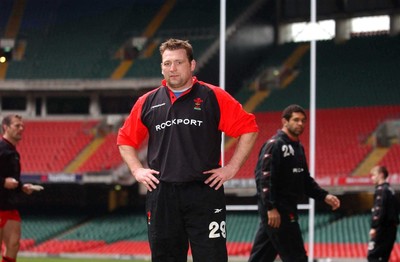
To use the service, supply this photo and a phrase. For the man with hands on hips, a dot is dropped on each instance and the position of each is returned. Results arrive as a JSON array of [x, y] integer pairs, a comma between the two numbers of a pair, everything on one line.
[[184, 119]]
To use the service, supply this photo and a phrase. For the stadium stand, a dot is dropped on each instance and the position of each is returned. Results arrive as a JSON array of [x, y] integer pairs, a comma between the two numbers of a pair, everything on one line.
[[391, 159], [77, 33], [109, 234], [345, 119], [337, 131], [33, 227], [49, 146], [5, 11], [105, 157], [80, 35]]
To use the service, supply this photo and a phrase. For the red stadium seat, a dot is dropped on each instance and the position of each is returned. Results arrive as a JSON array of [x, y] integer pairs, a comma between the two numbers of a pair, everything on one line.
[[49, 146]]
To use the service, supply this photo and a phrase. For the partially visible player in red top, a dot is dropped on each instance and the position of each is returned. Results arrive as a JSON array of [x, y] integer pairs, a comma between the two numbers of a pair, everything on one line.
[[10, 186], [184, 119]]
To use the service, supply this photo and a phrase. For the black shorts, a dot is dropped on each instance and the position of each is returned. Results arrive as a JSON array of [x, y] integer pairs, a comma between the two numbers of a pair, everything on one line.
[[183, 213]]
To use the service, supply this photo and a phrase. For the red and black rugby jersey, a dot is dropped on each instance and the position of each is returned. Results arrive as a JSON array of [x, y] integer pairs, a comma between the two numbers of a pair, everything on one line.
[[185, 133]]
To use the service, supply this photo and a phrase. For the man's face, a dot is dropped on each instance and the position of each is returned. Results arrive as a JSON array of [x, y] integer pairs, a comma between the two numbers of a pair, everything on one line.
[[296, 124], [14, 131], [177, 69], [375, 176]]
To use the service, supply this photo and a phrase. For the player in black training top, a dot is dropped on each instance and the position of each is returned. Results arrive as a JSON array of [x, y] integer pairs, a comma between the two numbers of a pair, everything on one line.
[[385, 217], [11, 186], [282, 179]]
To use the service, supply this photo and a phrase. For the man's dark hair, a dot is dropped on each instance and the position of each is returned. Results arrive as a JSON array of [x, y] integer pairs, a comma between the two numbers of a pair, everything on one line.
[[288, 111], [175, 44], [384, 171]]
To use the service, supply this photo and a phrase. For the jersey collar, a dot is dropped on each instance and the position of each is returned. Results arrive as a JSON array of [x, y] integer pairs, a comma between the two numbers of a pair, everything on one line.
[[172, 95]]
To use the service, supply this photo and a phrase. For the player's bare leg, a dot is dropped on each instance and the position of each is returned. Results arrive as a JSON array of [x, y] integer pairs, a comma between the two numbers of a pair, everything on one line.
[[1, 241], [11, 238]]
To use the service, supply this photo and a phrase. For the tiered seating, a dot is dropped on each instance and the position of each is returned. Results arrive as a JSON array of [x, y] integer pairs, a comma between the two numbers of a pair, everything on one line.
[[90, 42], [55, 246], [111, 229], [391, 159], [206, 15], [87, 34], [340, 138], [122, 248], [268, 124], [339, 230], [94, 235], [105, 157], [5, 10], [26, 243], [48, 146], [200, 27], [342, 102], [126, 234], [32, 228], [241, 226], [361, 82]]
